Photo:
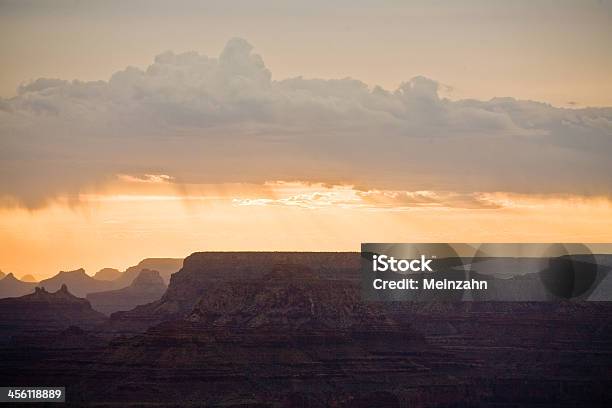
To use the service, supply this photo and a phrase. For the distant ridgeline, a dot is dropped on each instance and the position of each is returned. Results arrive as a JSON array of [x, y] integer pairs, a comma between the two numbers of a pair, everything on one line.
[[81, 284]]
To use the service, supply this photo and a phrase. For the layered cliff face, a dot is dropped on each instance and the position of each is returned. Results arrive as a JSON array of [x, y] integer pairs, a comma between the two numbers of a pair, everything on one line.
[[286, 330], [291, 297], [147, 287], [44, 311], [201, 268], [280, 330], [202, 271]]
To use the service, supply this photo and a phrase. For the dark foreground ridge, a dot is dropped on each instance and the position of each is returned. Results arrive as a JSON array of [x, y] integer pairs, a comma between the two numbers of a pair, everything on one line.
[[42, 312], [290, 330]]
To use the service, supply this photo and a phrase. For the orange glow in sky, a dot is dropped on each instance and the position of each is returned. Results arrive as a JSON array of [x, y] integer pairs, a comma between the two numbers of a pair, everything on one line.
[[150, 217]]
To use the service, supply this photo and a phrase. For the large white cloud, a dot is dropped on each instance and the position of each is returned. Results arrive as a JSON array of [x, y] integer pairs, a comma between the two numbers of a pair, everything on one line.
[[213, 120]]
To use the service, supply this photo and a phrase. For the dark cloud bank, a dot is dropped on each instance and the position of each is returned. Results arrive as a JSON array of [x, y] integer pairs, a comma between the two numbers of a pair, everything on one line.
[[202, 119]]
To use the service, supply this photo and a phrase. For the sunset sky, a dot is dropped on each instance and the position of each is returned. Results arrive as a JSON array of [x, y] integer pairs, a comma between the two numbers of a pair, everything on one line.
[[156, 129]]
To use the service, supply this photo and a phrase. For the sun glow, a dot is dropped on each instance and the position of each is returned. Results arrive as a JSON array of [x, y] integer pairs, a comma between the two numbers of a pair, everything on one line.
[[123, 224]]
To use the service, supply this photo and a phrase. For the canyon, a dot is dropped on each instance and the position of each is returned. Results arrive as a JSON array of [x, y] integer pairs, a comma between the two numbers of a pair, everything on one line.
[[255, 329]]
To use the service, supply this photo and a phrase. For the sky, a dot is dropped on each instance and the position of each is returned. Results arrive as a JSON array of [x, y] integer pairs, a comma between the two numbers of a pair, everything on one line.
[[141, 129], [553, 51]]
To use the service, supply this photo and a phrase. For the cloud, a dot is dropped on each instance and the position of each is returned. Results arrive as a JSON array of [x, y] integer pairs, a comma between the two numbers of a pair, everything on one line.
[[319, 196], [145, 178], [201, 119]]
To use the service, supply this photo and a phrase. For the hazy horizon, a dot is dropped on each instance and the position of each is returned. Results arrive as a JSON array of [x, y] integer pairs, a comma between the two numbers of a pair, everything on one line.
[[591, 248]]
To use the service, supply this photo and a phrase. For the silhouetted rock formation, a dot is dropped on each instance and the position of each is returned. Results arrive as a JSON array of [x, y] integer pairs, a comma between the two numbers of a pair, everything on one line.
[[45, 311], [202, 269], [290, 297], [107, 274], [78, 281], [28, 278], [10, 287], [147, 287], [275, 322], [165, 267], [2, 274]]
